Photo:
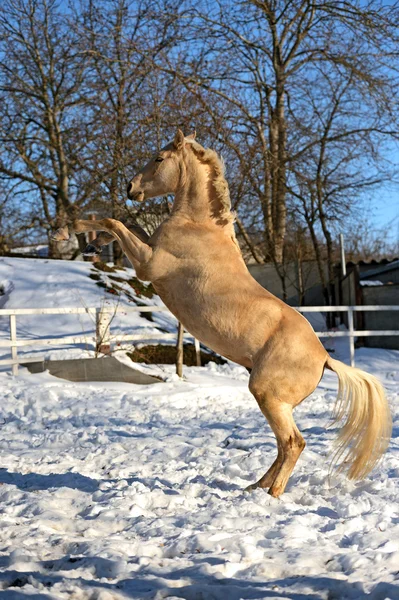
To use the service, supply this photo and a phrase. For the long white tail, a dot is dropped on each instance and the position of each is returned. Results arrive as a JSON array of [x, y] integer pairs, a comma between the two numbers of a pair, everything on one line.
[[367, 425]]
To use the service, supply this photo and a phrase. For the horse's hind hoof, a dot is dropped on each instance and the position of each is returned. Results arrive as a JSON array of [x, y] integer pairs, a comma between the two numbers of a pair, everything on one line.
[[91, 250]]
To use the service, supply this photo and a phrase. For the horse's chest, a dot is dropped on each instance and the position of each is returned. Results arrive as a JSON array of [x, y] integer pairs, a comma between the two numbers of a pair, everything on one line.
[[204, 315]]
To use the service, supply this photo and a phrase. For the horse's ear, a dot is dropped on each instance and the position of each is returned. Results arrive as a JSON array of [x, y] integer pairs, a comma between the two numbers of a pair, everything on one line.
[[178, 142], [192, 136]]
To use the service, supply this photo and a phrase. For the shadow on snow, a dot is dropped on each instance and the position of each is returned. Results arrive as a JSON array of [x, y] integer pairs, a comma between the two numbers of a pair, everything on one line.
[[202, 586]]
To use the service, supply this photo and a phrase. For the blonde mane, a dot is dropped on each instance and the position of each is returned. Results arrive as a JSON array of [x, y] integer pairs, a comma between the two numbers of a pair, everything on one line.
[[222, 212]]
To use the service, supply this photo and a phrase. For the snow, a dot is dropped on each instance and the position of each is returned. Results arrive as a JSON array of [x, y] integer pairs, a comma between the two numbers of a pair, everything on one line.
[[370, 282], [112, 491], [34, 250], [37, 283]]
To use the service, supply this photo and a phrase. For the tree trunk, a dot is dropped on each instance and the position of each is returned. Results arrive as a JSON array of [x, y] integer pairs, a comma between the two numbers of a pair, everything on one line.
[[279, 187], [319, 260], [248, 241]]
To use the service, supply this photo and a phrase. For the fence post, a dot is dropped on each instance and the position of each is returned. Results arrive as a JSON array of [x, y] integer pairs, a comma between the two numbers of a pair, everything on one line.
[[197, 352], [179, 350], [351, 336], [91, 236], [13, 338], [103, 333]]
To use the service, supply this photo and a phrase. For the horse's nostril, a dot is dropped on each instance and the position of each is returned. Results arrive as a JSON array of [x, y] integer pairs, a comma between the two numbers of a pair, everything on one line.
[[129, 188]]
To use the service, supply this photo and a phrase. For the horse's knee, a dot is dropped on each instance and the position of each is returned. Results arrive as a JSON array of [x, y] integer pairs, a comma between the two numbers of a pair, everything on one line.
[[256, 385], [295, 443], [265, 391], [109, 223]]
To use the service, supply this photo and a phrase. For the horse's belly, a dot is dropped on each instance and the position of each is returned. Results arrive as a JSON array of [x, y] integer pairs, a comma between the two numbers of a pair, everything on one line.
[[212, 324], [227, 345]]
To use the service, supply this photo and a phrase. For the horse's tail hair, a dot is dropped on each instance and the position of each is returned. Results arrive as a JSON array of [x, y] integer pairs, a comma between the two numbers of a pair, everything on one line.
[[363, 409]]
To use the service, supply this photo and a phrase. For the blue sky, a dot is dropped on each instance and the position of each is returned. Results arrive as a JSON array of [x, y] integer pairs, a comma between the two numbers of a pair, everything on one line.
[[384, 201]]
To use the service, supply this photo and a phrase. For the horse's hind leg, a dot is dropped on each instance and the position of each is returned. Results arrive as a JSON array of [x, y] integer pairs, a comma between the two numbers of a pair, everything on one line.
[[290, 442], [267, 479]]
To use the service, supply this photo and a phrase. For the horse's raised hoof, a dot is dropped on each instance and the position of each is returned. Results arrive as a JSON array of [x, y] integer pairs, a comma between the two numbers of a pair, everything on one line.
[[61, 235], [91, 250]]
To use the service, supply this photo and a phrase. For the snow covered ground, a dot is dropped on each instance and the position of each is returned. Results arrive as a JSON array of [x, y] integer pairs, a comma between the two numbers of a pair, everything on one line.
[[116, 491], [34, 283]]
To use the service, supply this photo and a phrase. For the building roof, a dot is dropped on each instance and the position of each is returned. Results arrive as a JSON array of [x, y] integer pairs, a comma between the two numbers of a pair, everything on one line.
[[383, 267]]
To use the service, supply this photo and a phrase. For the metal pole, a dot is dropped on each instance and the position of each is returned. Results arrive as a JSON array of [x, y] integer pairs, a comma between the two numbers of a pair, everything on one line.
[[351, 337], [179, 351], [343, 259], [91, 237], [197, 352], [13, 338]]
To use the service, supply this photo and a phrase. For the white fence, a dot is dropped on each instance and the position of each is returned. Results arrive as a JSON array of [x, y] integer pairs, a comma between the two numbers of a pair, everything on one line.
[[103, 319], [351, 333], [101, 338]]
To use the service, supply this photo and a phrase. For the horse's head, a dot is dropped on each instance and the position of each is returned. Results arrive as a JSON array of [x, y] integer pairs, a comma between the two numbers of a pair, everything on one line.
[[161, 175]]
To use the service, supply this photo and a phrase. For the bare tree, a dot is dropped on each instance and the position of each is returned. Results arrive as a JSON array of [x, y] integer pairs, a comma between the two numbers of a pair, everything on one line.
[[345, 137], [121, 39], [41, 80], [252, 60], [15, 224], [365, 241], [298, 96]]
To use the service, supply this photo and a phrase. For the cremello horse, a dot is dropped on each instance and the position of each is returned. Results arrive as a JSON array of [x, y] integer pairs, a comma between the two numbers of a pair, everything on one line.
[[196, 267]]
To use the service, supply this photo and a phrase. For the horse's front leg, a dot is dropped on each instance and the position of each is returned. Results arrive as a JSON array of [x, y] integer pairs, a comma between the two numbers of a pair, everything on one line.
[[134, 244], [94, 248]]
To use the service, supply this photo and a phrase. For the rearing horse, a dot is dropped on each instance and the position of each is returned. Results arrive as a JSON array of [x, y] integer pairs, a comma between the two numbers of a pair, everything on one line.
[[195, 265]]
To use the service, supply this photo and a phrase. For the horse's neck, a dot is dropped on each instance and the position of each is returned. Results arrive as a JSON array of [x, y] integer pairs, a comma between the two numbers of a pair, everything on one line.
[[197, 198], [191, 198]]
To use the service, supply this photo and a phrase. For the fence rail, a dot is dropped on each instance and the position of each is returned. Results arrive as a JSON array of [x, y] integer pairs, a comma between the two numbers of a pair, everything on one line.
[[351, 333], [103, 318]]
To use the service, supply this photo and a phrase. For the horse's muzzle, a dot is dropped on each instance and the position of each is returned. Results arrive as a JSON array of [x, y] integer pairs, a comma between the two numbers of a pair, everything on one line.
[[130, 190], [137, 196]]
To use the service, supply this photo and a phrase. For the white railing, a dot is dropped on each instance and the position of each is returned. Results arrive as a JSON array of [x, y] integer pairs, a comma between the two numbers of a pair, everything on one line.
[[101, 340], [351, 333], [103, 319]]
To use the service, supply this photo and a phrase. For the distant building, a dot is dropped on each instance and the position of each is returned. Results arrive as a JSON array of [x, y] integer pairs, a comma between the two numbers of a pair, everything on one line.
[[366, 283], [373, 283]]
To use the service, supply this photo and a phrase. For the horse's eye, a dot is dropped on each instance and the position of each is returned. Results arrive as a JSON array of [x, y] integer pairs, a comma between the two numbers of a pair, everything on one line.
[[159, 159]]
